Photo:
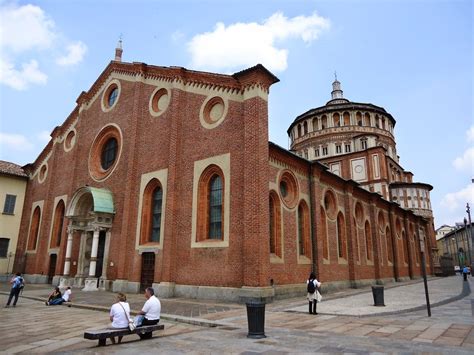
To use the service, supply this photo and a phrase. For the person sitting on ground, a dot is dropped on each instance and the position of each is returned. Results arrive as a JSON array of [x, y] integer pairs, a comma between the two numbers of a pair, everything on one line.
[[119, 315], [151, 311], [66, 297], [55, 297]]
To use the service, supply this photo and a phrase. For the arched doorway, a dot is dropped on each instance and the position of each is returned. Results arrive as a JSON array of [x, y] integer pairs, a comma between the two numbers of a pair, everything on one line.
[[90, 215]]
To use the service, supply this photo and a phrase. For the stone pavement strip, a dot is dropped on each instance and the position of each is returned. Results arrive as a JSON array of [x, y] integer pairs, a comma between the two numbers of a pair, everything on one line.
[[32, 327]]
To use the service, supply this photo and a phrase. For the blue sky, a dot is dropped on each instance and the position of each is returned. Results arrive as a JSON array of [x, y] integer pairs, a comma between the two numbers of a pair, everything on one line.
[[414, 58]]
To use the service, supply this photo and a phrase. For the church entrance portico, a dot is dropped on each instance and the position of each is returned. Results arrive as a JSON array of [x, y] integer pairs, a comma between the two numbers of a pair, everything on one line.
[[90, 217]]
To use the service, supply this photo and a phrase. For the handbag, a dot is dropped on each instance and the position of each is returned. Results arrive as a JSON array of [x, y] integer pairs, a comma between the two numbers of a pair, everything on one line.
[[131, 325], [318, 297]]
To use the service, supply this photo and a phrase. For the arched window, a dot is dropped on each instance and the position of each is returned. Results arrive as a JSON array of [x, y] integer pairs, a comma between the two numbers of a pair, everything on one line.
[[211, 205], [341, 236], [359, 118], [324, 234], [304, 244], [151, 212], [388, 237], [275, 224], [299, 131], [347, 119], [367, 119], [324, 122], [356, 239], [315, 124], [417, 249], [405, 248], [305, 127], [368, 240], [34, 229], [336, 120], [57, 225]]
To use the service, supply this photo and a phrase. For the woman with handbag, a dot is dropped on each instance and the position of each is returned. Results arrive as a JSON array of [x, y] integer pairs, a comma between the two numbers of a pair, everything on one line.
[[313, 296], [120, 315]]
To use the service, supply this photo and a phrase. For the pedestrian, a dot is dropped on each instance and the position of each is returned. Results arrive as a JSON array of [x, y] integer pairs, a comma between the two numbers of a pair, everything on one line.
[[465, 271], [55, 297], [119, 315], [312, 287], [17, 283], [151, 311]]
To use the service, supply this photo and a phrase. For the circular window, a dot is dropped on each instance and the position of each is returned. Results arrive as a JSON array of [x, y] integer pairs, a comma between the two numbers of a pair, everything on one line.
[[105, 152], [43, 173], [159, 101], [288, 189], [283, 189], [330, 204], [70, 140], [213, 112], [109, 153], [111, 95]]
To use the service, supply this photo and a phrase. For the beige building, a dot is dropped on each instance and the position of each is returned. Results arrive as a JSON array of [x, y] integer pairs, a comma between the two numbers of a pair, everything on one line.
[[12, 194]]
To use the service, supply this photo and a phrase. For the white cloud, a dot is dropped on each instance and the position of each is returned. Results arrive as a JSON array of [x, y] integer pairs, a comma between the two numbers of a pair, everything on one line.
[[24, 28], [246, 44], [74, 55], [454, 200], [16, 142], [466, 162], [470, 134], [21, 79], [26, 32]]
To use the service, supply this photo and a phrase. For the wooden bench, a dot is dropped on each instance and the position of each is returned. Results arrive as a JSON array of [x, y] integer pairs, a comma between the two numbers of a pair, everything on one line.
[[103, 334]]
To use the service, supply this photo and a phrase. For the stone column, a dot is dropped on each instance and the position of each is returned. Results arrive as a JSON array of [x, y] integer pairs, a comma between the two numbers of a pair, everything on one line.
[[95, 248], [90, 283], [67, 263]]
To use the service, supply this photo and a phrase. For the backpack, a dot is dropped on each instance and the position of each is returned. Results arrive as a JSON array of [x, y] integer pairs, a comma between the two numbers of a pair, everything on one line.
[[18, 283], [311, 287]]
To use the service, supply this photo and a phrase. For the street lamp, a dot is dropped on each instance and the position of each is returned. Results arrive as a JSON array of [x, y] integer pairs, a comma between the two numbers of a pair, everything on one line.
[[468, 211], [467, 240]]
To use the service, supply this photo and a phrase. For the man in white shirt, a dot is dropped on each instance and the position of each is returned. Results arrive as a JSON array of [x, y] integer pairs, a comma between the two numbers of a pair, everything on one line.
[[67, 297], [151, 311]]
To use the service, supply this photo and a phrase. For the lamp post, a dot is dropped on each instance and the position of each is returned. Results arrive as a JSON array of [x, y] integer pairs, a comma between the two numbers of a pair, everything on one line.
[[467, 240], [468, 211]]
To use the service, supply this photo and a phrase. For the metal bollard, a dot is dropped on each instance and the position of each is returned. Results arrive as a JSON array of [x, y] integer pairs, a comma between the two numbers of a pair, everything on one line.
[[256, 319], [377, 292]]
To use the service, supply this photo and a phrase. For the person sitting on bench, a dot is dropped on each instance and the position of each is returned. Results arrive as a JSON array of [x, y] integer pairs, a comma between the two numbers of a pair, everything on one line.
[[151, 311], [119, 315]]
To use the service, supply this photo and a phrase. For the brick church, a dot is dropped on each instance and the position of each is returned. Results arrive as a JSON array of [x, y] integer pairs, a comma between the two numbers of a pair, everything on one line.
[[165, 176]]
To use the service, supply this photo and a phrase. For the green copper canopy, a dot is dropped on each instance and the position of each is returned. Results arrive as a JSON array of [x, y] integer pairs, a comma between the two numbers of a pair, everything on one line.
[[103, 200]]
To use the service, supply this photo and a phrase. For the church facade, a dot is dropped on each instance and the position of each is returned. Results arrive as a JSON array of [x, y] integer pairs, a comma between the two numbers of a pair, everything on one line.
[[165, 176]]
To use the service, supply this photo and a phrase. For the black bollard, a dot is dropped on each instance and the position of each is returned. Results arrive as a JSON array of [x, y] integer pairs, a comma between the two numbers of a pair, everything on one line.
[[256, 319], [377, 292]]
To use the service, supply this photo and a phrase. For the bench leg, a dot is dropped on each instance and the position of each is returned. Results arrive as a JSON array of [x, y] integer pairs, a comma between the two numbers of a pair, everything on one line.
[[102, 342]]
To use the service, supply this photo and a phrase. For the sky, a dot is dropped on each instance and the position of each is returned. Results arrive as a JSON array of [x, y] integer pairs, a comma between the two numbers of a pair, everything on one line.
[[413, 58]]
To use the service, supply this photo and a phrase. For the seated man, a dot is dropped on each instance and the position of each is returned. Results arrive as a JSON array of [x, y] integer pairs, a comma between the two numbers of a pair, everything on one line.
[[151, 311]]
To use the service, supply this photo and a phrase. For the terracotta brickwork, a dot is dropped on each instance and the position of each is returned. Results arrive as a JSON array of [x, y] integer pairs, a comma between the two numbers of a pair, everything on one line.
[[178, 130]]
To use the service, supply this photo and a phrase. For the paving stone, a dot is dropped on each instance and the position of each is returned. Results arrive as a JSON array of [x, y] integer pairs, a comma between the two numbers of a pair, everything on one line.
[[448, 340]]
